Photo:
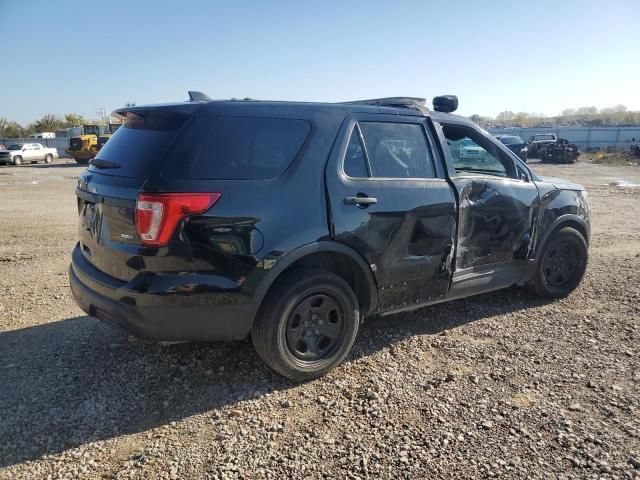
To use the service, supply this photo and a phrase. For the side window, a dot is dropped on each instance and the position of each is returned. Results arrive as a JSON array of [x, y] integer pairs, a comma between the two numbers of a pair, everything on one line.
[[473, 153], [397, 150], [248, 148], [355, 165]]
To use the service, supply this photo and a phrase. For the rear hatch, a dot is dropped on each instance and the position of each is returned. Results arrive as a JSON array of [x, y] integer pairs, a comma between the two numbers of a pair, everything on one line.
[[107, 191], [185, 159]]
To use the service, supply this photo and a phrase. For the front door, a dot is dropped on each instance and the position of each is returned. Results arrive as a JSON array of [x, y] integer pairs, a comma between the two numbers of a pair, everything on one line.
[[390, 201], [498, 206]]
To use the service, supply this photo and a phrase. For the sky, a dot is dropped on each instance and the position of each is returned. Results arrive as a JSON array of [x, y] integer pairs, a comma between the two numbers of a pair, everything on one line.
[[539, 56]]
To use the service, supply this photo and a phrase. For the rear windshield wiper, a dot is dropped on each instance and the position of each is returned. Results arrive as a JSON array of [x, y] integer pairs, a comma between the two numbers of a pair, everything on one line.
[[96, 162]]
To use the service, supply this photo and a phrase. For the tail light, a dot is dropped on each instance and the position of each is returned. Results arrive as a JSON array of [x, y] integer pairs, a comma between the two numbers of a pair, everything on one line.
[[158, 214]]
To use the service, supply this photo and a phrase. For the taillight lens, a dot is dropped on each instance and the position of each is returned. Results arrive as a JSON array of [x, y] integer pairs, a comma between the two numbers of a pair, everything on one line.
[[158, 214]]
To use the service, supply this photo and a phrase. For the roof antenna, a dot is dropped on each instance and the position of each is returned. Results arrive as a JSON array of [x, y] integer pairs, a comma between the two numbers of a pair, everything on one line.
[[198, 97]]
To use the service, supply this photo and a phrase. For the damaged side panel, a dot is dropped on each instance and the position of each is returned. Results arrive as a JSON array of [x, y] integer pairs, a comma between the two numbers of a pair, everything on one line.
[[496, 220], [561, 207]]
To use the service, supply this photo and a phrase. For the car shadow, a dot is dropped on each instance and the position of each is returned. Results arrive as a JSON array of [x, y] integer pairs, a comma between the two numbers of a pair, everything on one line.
[[75, 381]]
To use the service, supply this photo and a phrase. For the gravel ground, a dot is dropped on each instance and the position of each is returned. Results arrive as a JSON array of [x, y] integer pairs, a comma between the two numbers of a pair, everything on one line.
[[499, 385]]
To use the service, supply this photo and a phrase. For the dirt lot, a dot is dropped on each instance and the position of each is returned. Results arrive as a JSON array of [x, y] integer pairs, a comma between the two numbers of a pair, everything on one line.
[[500, 385]]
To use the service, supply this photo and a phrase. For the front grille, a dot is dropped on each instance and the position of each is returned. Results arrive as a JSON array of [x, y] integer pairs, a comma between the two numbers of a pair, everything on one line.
[[75, 144]]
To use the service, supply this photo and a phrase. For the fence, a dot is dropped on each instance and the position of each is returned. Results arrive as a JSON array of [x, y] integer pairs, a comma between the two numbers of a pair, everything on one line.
[[586, 138]]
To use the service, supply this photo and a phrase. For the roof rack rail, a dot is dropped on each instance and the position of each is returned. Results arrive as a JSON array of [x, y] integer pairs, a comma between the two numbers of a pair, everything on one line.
[[198, 97], [391, 102]]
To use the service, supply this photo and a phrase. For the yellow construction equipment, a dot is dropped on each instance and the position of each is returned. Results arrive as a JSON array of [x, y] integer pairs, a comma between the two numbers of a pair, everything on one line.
[[84, 147], [102, 139]]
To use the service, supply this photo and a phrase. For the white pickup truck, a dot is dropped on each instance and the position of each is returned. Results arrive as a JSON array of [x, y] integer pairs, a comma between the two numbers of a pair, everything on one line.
[[19, 153]]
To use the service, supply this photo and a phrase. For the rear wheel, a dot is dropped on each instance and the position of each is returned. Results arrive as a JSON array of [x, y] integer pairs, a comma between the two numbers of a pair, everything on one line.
[[561, 265], [307, 324], [82, 161], [17, 160], [48, 158]]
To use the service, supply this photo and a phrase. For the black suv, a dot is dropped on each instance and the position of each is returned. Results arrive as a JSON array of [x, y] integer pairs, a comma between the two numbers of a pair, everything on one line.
[[291, 222]]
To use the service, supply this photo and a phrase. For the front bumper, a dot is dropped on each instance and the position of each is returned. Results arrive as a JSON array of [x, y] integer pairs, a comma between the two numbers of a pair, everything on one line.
[[177, 317]]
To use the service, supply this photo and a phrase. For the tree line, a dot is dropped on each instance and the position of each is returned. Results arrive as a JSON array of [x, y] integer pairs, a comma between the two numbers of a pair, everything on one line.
[[583, 116], [48, 123]]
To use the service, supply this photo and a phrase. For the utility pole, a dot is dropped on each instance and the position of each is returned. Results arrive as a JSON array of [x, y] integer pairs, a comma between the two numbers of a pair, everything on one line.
[[104, 114]]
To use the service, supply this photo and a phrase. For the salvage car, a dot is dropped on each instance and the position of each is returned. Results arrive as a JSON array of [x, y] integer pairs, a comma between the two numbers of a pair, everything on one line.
[[19, 153], [290, 222], [515, 144], [635, 147], [537, 142]]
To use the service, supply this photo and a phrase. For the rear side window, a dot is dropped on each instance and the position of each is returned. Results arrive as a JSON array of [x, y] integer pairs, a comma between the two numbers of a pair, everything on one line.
[[138, 147], [355, 165], [397, 150], [247, 148]]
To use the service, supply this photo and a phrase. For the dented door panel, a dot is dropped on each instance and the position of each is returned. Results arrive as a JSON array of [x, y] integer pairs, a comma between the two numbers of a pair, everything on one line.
[[496, 220]]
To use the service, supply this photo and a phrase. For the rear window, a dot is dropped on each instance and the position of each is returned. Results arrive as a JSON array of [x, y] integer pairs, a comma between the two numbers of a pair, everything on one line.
[[139, 146], [239, 148]]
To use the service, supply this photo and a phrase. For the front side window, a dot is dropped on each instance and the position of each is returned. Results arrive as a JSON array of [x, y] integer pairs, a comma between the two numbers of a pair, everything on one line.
[[397, 150], [474, 154]]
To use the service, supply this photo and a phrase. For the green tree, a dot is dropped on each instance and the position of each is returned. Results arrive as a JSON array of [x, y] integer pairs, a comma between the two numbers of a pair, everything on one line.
[[73, 120], [48, 123], [11, 129]]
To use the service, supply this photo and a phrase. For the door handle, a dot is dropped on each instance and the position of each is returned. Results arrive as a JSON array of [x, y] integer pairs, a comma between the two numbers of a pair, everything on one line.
[[361, 200]]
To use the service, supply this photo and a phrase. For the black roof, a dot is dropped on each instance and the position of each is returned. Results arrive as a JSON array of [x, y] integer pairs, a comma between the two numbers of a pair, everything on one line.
[[411, 106]]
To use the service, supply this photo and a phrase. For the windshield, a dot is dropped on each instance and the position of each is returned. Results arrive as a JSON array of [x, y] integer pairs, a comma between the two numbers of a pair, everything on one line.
[[15, 146], [91, 130], [510, 140]]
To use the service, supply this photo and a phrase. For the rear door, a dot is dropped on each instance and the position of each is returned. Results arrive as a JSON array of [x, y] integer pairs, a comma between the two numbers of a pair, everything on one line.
[[389, 200]]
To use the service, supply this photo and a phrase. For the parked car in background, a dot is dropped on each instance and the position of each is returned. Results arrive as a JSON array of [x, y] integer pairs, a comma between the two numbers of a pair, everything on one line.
[[469, 150], [20, 153], [537, 142], [43, 135], [192, 227], [515, 144]]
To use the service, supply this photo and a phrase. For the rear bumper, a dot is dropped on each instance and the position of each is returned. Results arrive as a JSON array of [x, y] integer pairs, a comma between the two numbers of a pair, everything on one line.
[[177, 317]]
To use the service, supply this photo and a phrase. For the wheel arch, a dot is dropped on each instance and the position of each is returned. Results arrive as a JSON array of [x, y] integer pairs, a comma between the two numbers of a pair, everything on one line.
[[568, 220], [332, 256]]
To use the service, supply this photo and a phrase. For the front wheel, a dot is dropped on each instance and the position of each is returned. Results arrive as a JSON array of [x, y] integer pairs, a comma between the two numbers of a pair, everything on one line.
[[82, 161], [307, 324], [17, 160], [48, 158], [561, 265]]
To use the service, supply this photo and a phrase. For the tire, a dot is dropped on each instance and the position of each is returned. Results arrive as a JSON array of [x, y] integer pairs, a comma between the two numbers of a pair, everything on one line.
[[561, 265], [17, 160], [307, 324], [82, 161], [48, 158]]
